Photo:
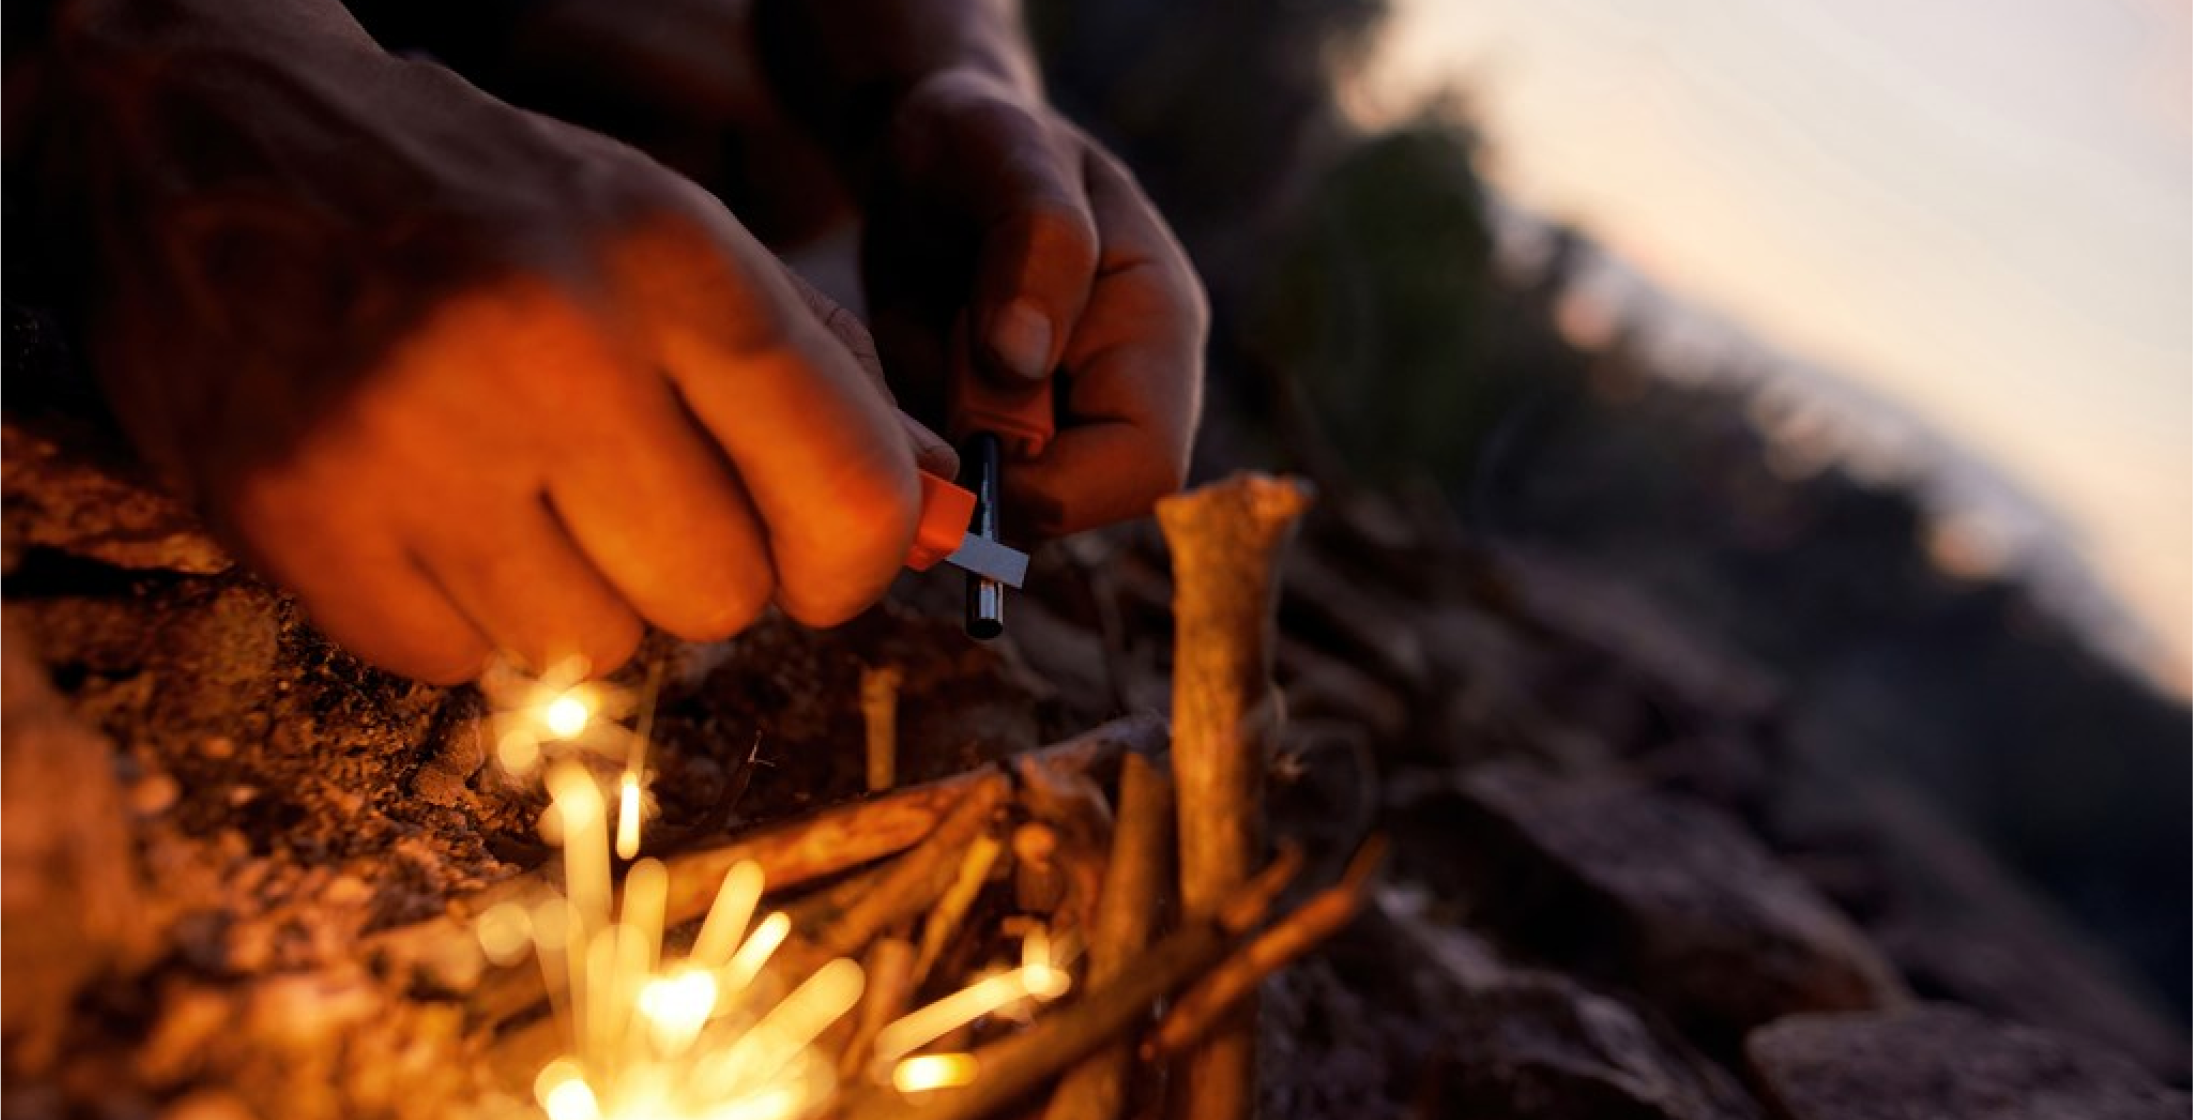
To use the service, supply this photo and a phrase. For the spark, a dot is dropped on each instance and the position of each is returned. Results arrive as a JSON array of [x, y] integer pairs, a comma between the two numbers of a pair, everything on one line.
[[1045, 979], [1041, 976], [727, 918], [564, 1093], [519, 750], [558, 714], [505, 932], [933, 1071], [702, 1037], [921, 1027], [566, 716], [628, 816]]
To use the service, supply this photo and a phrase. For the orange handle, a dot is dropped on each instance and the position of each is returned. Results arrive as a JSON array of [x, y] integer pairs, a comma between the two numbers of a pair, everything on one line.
[[1021, 418], [946, 510], [1019, 415]]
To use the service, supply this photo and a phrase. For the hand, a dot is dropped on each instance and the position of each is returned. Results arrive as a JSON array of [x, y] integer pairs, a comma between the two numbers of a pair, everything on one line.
[[461, 377], [993, 211]]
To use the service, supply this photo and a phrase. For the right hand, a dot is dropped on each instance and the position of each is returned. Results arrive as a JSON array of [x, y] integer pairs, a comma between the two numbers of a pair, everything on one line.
[[463, 378]]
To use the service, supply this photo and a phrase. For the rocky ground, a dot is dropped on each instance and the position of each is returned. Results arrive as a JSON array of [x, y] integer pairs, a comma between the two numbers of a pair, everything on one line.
[[1619, 889]]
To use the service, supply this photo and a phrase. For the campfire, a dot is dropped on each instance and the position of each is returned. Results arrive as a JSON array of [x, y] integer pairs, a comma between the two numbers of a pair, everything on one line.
[[945, 949]]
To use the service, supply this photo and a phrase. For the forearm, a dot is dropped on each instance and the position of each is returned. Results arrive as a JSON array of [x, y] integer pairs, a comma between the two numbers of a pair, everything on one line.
[[91, 66], [841, 66]]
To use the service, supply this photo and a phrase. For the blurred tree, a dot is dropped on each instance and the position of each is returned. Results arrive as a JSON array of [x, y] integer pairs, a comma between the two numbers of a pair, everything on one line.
[[1377, 303]]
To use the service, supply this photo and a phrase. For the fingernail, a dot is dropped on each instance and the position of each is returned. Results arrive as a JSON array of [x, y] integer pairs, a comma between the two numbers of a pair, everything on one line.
[[1020, 340]]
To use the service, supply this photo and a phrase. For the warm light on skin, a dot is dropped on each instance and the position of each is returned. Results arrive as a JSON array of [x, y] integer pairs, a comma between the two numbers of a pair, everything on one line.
[[933, 1071]]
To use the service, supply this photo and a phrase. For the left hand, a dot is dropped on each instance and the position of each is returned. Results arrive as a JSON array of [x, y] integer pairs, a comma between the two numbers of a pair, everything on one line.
[[989, 209]]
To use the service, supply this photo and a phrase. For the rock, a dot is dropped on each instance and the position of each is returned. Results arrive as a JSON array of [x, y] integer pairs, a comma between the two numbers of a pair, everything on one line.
[[70, 895], [1961, 927], [1657, 892], [1521, 1044], [1542, 1048], [1938, 1062], [60, 491]]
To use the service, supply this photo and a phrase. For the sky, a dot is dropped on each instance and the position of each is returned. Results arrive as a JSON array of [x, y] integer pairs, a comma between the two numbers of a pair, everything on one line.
[[1980, 210]]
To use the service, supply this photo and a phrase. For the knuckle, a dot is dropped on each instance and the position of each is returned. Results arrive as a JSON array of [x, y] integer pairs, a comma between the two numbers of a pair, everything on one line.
[[858, 549], [606, 640], [726, 610], [449, 663], [1061, 226], [613, 642]]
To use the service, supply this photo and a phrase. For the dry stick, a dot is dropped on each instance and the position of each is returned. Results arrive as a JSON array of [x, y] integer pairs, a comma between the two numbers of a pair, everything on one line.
[[879, 710], [444, 950], [951, 909], [1193, 1016], [1134, 879], [1072, 806], [1039, 884], [915, 881], [816, 847], [1010, 1068], [1226, 540]]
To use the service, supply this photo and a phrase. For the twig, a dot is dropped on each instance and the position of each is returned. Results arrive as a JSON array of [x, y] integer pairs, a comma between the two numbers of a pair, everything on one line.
[[944, 920], [442, 951], [1039, 884], [1071, 805], [916, 881], [1193, 1016], [1126, 911], [1013, 1066], [1226, 541], [812, 848], [879, 711]]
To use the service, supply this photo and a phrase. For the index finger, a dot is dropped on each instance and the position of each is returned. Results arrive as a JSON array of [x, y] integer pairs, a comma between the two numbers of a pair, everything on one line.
[[1132, 377], [816, 444]]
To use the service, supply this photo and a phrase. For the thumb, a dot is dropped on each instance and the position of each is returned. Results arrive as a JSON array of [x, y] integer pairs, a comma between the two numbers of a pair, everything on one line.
[[1038, 258], [1014, 172]]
